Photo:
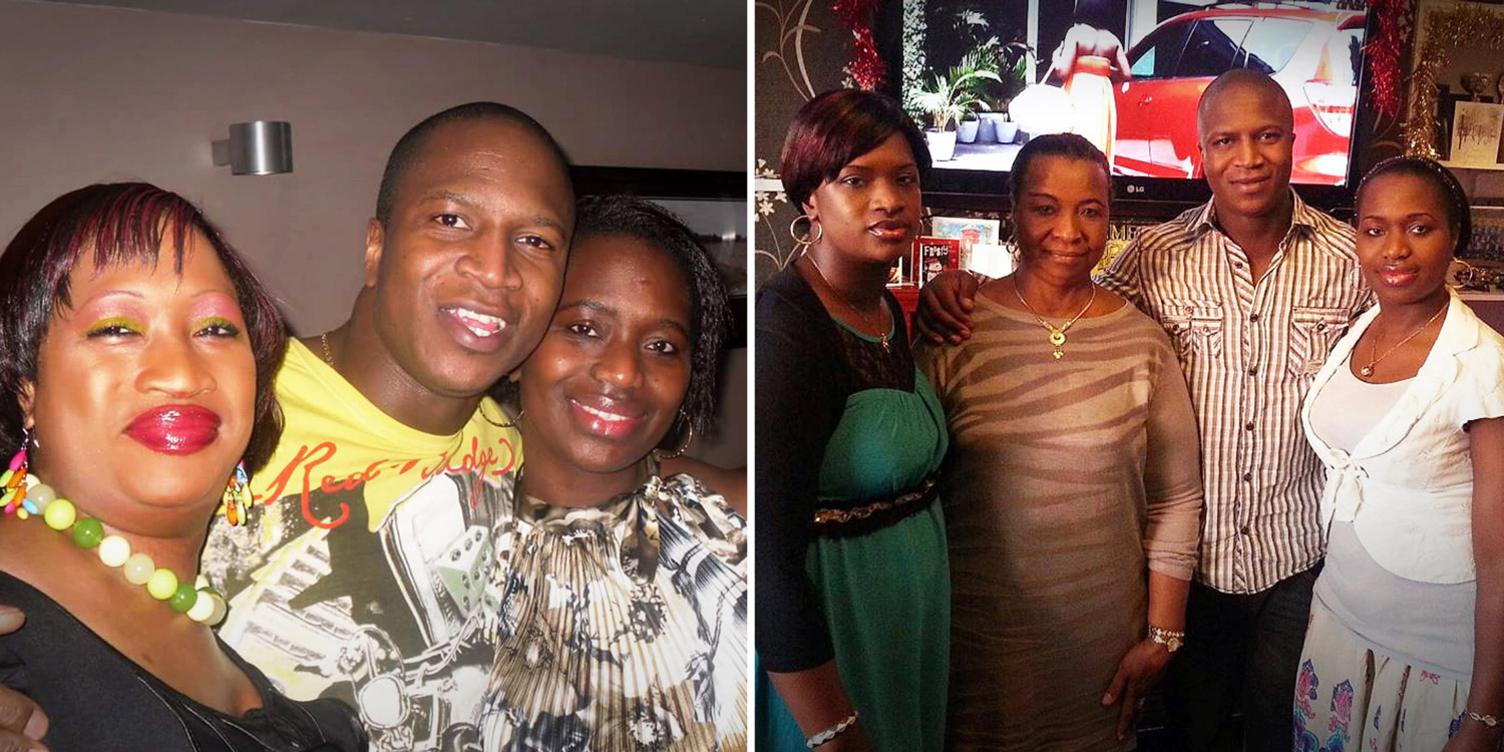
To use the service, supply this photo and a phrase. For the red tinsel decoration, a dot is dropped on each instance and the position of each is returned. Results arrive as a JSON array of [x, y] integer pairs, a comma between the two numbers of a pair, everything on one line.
[[866, 68], [1384, 54]]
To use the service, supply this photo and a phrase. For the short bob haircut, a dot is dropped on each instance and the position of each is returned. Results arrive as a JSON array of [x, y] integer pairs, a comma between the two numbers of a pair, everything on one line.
[[709, 308], [1068, 145], [1459, 216], [837, 127], [120, 223]]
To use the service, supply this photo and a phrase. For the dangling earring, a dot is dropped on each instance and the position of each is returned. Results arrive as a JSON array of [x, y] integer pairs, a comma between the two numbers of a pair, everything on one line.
[[688, 437], [236, 496], [810, 238], [13, 481]]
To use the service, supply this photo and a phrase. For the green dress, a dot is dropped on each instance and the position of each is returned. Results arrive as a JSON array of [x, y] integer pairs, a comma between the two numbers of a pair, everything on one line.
[[884, 592]]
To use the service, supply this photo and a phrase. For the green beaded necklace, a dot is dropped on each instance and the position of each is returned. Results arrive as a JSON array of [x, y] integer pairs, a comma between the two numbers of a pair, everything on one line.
[[197, 599]]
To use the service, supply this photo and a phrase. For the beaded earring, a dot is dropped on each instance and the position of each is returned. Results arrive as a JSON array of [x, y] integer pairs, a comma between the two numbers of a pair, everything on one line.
[[236, 496], [13, 481]]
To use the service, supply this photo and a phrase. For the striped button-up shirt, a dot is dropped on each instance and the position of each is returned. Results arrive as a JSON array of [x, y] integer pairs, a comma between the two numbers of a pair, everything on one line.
[[1249, 348]]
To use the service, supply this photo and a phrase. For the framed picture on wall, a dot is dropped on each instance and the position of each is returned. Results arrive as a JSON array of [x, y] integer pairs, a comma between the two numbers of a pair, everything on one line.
[[969, 231], [1476, 127]]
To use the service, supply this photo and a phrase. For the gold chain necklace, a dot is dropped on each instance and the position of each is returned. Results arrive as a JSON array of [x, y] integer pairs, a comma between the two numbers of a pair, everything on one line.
[[886, 327], [328, 356], [1367, 371], [1057, 333]]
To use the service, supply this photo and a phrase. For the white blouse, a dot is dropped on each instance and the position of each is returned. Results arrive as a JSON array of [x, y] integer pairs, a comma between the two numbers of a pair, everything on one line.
[[1407, 485]]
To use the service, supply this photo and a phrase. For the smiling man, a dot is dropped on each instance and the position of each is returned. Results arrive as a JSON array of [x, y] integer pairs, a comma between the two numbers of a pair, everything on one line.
[[361, 572], [1253, 288]]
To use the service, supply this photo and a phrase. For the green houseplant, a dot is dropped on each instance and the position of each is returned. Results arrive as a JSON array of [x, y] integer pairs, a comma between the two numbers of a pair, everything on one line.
[[951, 97]]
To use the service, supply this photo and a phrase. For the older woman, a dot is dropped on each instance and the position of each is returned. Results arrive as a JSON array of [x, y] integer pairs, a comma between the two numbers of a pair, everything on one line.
[[623, 612], [853, 589], [139, 351], [1405, 648], [1073, 487]]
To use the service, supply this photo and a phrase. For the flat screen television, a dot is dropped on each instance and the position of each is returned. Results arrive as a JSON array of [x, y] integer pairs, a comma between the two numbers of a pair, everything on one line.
[[1140, 105]]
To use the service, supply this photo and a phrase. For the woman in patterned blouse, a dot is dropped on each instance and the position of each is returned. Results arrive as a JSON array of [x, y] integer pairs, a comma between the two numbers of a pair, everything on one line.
[[622, 622]]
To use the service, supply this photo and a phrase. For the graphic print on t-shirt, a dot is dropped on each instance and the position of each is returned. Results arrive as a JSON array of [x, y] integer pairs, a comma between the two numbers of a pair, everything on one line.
[[367, 576]]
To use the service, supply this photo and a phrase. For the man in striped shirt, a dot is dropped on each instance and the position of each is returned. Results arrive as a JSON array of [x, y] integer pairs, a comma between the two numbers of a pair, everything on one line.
[[1253, 288]]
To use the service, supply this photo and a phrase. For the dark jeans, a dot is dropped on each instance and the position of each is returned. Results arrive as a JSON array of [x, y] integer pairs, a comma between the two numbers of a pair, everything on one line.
[[1240, 651]]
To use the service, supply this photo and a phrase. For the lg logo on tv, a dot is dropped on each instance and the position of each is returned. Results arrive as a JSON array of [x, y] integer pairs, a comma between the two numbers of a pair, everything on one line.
[[1131, 188]]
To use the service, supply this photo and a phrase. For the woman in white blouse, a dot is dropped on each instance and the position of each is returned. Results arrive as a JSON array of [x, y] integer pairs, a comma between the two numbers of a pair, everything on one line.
[[1405, 648]]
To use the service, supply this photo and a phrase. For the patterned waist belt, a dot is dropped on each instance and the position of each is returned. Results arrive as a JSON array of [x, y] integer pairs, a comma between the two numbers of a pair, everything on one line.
[[878, 514]]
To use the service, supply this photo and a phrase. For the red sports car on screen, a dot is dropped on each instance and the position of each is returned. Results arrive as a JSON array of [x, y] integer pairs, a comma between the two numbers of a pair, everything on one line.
[[1312, 53]]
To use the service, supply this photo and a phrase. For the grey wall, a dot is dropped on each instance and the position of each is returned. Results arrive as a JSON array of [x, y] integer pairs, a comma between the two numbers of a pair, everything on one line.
[[91, 94], [98, 94]]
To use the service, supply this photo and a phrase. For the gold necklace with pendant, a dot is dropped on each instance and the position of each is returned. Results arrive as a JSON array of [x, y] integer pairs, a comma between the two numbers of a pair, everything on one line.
[[1373, 347], [1057, 333], [887, 332]]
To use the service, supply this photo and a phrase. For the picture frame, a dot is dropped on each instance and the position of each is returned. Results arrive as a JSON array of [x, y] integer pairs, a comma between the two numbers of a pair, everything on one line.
[[968, 231], [1476, 127], [1487, 242], [934, 255]]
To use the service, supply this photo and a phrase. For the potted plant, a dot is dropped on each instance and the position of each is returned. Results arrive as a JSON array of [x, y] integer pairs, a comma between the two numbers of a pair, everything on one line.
[[950, 98], [1012, 62], [966, 130]]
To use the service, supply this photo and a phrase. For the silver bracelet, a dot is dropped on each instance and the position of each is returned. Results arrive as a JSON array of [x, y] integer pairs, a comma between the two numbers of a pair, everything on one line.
[[832, 732], [1484, 718]]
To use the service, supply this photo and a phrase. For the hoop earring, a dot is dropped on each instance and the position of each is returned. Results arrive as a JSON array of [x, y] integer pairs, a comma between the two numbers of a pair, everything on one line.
[[237, 496], [688, 437], [816, 231], [511, 421], [13, 481]]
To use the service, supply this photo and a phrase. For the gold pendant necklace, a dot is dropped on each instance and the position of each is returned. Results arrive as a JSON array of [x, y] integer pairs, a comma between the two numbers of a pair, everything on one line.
[[1367, 371], [887, 331], [1057, 333]]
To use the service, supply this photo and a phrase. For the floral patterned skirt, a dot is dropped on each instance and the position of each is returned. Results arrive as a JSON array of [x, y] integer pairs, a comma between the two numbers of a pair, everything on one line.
[[1349, 697]]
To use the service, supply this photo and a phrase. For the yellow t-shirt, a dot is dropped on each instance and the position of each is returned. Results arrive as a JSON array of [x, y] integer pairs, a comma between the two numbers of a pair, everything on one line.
[[363, 571]]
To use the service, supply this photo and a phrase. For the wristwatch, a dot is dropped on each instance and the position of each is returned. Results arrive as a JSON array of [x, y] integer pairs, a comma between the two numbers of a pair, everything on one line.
[[1169, 638]]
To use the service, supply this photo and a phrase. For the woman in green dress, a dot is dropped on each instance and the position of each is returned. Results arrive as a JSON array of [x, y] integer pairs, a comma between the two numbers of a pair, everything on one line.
[[853, 587]]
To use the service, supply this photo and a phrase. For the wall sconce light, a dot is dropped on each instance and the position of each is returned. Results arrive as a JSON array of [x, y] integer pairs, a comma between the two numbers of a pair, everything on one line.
[[260, 147]]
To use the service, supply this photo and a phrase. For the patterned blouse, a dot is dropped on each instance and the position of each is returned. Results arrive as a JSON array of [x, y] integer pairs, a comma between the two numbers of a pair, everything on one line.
[[621, 626]]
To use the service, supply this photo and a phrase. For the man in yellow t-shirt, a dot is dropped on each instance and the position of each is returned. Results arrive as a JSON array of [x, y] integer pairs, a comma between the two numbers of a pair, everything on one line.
[[362, 571]]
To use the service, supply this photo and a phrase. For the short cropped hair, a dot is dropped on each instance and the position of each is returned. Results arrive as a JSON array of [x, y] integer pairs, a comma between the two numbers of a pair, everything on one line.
[[1459, 213], [120, 223], [411, 143], [1068, 145], [837, 127]]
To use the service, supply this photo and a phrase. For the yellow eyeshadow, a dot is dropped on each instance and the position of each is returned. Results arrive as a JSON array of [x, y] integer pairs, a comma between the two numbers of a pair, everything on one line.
[[217, 321], [115, 322]]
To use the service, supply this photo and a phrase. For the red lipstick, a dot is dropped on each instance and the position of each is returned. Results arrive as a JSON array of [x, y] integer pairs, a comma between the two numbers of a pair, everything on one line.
[[175, 429]]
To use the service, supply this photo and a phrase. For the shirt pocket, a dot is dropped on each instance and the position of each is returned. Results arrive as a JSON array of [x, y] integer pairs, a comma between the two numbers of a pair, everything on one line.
[[1195, 328], [1313, 331]]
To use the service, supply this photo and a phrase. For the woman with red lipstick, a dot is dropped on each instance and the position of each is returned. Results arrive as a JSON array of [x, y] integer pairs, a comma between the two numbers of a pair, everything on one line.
[[1405, 647], [138, 352], [1073, 490], [853, 588], [623, 611]]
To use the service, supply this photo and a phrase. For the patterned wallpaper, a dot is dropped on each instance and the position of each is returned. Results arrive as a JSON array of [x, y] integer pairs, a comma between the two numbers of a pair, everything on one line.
[[799, 51]]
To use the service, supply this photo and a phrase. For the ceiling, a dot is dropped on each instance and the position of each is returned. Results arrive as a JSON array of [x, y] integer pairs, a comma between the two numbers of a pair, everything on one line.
[[697, 32]]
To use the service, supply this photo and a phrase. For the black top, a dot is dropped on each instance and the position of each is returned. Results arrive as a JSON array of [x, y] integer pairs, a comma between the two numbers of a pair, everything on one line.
[[807, 367], [98, 700]]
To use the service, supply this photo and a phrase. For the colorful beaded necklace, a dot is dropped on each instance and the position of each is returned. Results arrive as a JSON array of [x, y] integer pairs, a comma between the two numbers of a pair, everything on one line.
[[25, 496]]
